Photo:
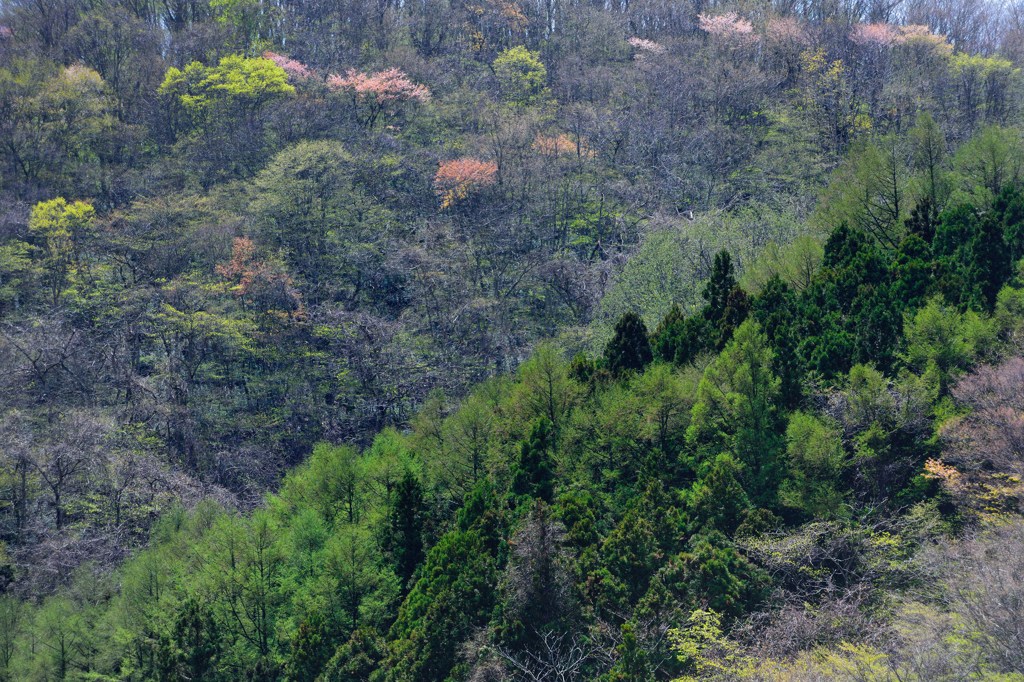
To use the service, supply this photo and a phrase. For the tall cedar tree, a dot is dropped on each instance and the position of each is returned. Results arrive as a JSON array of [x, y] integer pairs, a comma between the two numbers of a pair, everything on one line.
[[630, 348], [533, 474], [405, 527], [719, 287]]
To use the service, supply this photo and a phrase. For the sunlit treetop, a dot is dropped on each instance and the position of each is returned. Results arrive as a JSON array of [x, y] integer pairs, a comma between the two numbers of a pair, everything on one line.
[[521, 75], [250, 79]]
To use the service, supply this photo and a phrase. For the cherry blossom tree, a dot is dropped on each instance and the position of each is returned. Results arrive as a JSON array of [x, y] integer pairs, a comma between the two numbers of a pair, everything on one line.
[[645, 49], [380, 93], [875, 35], [729, 26], [296, 70]]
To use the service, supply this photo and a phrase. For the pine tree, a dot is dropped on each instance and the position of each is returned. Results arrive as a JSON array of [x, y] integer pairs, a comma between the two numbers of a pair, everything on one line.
[[197, 641], [1010, 206], [717, 500], [737, 307], [923, 219], [680, 339]]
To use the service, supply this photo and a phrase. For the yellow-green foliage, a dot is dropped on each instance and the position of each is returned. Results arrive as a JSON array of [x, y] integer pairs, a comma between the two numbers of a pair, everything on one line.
[[522, 75], [251, 80]]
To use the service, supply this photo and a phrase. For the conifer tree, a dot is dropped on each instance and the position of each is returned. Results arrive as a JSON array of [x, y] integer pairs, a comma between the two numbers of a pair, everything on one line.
[[633, 664], [532, 474], [405, 527], [719, 286], [630, 348]]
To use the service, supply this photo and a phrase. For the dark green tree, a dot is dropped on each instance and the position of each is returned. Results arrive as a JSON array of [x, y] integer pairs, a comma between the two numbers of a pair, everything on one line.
[[775, 309], [922, 220], [453, 597], [309, 651], [197, 641], [1010, 206], [630, 347], [991, 260], [632, 664], [533, 474], [719, 287], [912, 267], [717, 500], [404, 535], [737, 307], [357, 659], [718, 576], [679, 339]]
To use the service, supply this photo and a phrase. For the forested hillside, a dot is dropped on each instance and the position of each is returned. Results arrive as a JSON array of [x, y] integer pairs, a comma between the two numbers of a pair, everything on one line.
[[511, 340]]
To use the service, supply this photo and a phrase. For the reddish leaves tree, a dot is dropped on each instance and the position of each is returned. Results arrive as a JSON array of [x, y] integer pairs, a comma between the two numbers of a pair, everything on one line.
[[562, 145], [455, 180], [258, 283]]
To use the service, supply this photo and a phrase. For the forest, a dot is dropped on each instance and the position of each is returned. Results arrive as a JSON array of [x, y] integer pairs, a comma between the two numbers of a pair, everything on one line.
[[511, 340]]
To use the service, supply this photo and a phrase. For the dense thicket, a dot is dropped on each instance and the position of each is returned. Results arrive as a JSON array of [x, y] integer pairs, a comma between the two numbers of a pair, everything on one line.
[[560, 523], [255, 246]]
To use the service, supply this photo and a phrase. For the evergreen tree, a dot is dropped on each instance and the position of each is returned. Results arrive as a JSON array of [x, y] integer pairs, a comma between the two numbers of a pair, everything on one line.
[[737, 307], [922, 220], [717, 500], [196, 641], [1010, 207], [632, 664], [737, 411], [991, 265], [453, 597], [719, 286], [774, 309], [532, 474], [680, 339], [720, 577], [913, 270], [405, 527], [357, 659], [309, 651], [630, 347]]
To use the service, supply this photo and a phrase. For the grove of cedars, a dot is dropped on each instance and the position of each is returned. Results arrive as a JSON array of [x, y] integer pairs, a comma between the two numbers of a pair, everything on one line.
[[510, 340]]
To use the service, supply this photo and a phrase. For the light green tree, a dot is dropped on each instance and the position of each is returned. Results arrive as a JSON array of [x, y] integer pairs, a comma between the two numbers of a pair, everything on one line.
[[816, 459], [60, 227], [522, 76], [737, 411]]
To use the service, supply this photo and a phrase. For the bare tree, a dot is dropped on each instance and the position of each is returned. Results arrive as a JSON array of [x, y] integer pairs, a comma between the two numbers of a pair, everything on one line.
[[559, 657], [993, 432]]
